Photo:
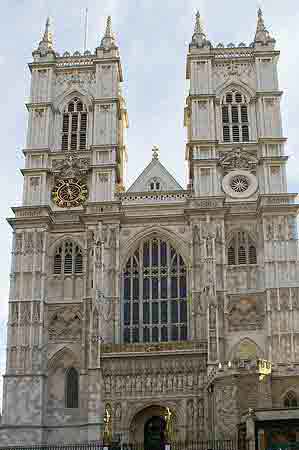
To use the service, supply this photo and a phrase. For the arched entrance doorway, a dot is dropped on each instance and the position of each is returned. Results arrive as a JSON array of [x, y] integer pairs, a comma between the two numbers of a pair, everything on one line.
[[154, 433], [148, 426]]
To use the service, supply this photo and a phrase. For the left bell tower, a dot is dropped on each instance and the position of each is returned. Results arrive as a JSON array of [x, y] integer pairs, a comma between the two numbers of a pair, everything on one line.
[[75, 110], [75, 160]]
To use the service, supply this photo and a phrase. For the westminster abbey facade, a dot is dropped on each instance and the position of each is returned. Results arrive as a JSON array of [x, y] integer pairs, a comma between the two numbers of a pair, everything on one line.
[[140, 308]]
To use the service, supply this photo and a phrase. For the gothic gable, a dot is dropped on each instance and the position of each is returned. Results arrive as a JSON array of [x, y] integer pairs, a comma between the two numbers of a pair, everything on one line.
[[155, 177]]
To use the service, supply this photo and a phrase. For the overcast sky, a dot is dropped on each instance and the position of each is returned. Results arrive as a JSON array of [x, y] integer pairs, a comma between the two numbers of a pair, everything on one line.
[[153, 37]]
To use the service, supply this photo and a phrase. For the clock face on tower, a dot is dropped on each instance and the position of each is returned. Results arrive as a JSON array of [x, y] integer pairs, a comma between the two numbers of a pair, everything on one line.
[[69, 193]]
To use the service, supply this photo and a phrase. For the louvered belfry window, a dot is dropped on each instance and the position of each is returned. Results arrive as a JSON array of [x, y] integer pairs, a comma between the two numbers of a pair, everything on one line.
[[74, 126], [154, 294], [68, 258], [71, 388], [241, 250], [235, 121]]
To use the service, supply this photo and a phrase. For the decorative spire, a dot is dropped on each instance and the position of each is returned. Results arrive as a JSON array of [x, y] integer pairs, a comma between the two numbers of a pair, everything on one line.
[[155, 152], [46, 44], [199, 39], [48, 38], [198, 28], [108, 33], [262, 35], [108, 41]]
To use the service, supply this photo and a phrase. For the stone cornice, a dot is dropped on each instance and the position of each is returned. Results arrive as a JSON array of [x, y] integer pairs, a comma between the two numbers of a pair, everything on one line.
[[38, 105], [42, 65], [101, 101], [35, 170], [260, 94], [271, 140], [274, 159], [25, 215], [27, 151], [263, 53], [199, 97]]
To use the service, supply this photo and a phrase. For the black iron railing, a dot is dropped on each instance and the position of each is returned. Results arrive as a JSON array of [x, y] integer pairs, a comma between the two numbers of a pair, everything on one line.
[[178, 445], [83, 446]]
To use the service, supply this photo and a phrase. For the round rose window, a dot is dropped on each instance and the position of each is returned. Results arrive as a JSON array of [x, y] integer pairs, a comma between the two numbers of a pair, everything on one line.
[[239, 184]]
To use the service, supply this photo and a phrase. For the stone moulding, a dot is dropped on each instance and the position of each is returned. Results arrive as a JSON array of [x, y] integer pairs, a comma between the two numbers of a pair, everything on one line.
[[159, 347]]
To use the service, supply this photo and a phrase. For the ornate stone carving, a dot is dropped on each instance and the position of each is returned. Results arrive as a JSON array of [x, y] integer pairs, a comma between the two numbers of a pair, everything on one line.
[[34, 182], [18, 243], [235, 71], [246, 313], [28, 243], [104, 305], [65, 323], [237, 159], [70, 167], [103, 177], [25, 313], [67, 79], [104, 108], [225, 409], [131, 377]]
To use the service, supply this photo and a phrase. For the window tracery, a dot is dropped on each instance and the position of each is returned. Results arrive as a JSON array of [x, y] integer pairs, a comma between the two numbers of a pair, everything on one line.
[[74, 126], [72, 388], [290, 400], [241, 250], [155, 184], [235, 121], [68, 258], [154, 294]]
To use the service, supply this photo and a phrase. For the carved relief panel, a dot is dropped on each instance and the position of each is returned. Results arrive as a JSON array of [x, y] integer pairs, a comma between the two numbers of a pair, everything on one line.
[[65, 323]]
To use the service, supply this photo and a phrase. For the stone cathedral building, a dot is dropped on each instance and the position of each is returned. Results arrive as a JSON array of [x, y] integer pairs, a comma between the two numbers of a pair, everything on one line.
[[135, 308]]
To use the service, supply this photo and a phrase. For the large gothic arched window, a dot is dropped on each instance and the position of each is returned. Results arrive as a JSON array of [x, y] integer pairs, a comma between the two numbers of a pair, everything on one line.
[[74, 126], [154, 294], [235, 122]]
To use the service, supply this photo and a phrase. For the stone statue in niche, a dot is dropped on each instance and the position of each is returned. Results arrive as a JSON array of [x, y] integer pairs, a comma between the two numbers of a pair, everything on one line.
[[209, 246], [212, 316], [118, 412], [190, 413], [269, 232], [105, 310]]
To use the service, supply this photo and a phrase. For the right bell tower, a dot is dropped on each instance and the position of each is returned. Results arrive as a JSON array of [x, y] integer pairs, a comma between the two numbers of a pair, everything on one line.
[[233, 117]]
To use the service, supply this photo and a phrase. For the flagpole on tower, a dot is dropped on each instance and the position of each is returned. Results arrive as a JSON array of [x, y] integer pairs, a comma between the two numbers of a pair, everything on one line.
[[85, 30]]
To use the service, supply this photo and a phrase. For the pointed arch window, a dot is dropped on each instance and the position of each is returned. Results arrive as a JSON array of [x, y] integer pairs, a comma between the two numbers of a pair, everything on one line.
[[74, 126], [154, 306], [71, 388], [241, 250], [235, 118], [68, 259], [290, 400]]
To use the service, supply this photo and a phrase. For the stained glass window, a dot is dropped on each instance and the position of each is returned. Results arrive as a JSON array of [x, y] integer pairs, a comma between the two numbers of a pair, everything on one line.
[[154, 305]]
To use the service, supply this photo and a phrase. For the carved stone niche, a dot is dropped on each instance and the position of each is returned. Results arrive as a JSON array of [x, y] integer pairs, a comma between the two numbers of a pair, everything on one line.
[[246, 312], [65, 323]]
